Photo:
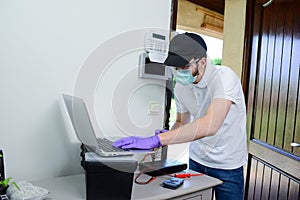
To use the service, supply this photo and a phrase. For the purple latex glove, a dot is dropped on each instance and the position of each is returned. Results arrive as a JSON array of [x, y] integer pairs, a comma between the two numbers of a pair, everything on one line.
[[133, 142], [158, 131]]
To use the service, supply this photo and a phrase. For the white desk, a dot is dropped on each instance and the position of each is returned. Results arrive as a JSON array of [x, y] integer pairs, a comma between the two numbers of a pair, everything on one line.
[[73, 188]]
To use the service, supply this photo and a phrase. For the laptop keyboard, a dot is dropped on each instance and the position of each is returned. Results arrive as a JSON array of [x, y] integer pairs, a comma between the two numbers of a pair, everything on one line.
[[106, 145]]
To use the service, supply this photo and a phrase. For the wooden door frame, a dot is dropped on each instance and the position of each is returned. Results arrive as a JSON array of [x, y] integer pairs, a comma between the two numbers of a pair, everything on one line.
[[277, 158], [247, 48]]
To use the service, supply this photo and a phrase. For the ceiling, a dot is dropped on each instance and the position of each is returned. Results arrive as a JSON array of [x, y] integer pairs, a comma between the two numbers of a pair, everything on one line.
[[199, 19], [214, 5]]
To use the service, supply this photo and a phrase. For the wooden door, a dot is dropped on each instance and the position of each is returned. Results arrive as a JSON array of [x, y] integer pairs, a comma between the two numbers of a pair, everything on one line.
[[272, 86]]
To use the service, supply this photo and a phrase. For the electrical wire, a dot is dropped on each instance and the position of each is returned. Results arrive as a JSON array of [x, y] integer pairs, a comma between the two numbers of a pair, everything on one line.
[[152, 178]]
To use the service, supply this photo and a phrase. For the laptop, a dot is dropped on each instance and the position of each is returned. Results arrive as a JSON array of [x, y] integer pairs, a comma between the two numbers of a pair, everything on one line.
[[78, 115]]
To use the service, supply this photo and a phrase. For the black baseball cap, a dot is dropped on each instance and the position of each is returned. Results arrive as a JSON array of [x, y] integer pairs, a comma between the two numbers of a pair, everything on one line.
[[184, 47]]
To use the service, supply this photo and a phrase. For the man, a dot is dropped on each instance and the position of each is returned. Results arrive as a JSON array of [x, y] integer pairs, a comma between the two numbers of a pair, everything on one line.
[[211, 114]]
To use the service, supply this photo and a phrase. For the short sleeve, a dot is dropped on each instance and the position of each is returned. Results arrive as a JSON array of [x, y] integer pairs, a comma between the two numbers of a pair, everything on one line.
[[178, 100], [230, 85]]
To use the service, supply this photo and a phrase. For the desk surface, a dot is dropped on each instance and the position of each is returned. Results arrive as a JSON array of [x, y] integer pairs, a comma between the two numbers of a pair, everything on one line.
[[73, 187], [154, 191]]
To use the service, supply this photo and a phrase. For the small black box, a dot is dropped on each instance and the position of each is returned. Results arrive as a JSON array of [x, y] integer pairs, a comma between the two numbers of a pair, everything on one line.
[[109, 179], [161, 168]]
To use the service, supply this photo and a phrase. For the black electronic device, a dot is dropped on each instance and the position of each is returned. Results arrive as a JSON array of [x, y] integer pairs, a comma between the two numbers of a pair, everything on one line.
[[162, 167], [172, 183], [2, 170], [153, 70], [103, 175]]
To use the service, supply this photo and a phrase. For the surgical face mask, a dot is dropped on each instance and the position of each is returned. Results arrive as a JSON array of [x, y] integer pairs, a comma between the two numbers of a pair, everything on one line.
[[184, 76]]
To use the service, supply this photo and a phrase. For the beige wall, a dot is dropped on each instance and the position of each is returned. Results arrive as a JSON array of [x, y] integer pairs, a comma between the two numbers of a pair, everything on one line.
[[233, 36]]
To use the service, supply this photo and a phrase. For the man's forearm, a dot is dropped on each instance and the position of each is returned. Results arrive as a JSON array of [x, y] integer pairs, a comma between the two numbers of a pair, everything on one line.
[[189, 132], [176, 125]]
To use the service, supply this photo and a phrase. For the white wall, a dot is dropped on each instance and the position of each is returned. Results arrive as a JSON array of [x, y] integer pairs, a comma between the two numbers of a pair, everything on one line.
[[43, 48]]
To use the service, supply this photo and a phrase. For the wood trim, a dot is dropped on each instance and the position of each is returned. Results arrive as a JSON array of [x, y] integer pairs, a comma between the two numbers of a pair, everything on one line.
[[282, 162], [215, 5], [209, 13], [174, 15], [212, 28], [247, 48]]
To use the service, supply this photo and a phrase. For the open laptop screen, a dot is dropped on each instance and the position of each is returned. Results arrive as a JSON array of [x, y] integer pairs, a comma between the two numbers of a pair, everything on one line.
[[80, 119]]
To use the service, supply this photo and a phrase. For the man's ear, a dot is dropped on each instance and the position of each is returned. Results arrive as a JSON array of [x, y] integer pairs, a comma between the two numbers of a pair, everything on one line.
[[203, 61]]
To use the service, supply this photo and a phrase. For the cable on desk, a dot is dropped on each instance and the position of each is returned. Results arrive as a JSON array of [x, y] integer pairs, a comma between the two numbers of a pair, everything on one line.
[[152, 178]]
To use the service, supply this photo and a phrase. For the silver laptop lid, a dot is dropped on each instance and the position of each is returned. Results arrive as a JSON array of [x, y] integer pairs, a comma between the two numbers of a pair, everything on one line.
[[82, 125], [80, 119]]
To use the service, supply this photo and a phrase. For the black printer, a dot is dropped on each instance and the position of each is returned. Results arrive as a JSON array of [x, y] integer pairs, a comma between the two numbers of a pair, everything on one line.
[[108, 178]]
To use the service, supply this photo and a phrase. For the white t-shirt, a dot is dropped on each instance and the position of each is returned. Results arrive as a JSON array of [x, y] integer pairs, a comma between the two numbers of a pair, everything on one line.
[[227, 149]]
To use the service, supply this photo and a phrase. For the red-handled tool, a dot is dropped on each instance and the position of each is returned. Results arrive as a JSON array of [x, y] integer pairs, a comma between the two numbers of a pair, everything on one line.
[[186, 175]]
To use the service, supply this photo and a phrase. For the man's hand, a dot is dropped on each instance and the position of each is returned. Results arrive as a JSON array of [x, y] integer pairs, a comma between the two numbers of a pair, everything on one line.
[[133, 142]]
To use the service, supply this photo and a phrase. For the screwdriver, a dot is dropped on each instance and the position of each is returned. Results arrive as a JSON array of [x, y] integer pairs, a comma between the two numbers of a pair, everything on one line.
[[186, 175]]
